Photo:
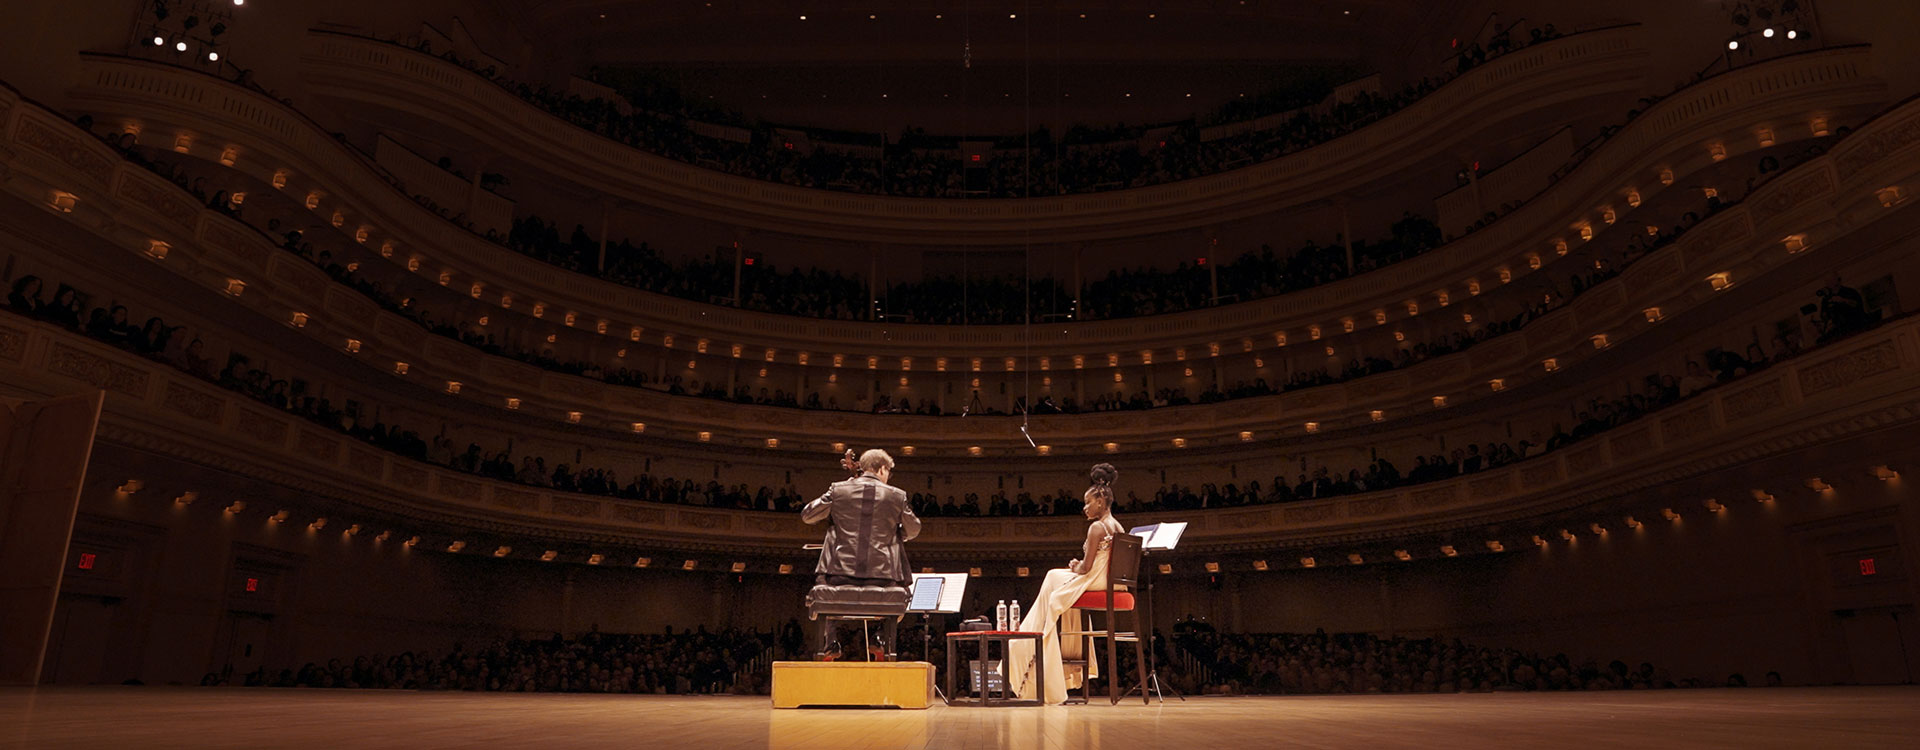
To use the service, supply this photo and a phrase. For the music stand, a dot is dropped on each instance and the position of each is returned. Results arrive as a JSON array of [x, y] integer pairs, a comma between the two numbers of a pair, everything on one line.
[[1154, 537], [935, 593]]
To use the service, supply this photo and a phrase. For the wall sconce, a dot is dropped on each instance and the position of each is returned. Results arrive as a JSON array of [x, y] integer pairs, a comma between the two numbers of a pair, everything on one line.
[[1347, 325], [1884, 473], [1653, 231], [1764, 136], [1079, 361], [280, 517], [235, 287], [906, 364], [786, 569], [1356, 559], [279, 179], [1794, 243], [313, 200], [353, 346], [641, 562], [1280, 338], [1260, 565], [1259, 364], [1009, 364], [1566, 535], [413, 264], [502, 551], [1402, 555], [1497, 384], [1608, 216], [411, 541], [1652, 313], [1446, 549], [1399, 336], [186, 498], [1246, 436], [1439, 401], [1533, 262], [1633, 199], [549, 555], [595, 558], [1713, 506], [1819, 127], [1329, 350], [1494, 545], [1717, 152], [130, 486], [1586, 233], [1213, 567], [1179, 442], [1109, 447], [236, 506], [1666, 177], [553, 338], [705, 436], [182, 143], [1599, 341], [399, 368], [1413, 308], [1473, 287], [1817, 485], [299, 320], [237, 199], [1597, 529], [453, 387], [1506, 276], [1377, 415], [1889, 196], [513, 403], [573, 417], [540, 311], [338, 219], [1044, 449], [973, 572], [62, 201], [1667, 513], [361, 235], [639, 427], [1720, 281], [975, 451], [1551, 364], [773, 442], [1180, 354], [1632, 523], [1189, 372], [906, 450], [1379, 318], [734, 350], [873, 363], [1307, 562], [456, 546], [1466, 317], [1313, 427], [318, 524], [1442, 297], [769, 354], [1538, 542], [1213, 350], [158, 250], [1559, 247], [1762, 496], [1710, 192]]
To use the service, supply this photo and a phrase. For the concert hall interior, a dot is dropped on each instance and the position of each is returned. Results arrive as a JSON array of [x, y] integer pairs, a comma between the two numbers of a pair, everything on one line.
[[1426, 372]]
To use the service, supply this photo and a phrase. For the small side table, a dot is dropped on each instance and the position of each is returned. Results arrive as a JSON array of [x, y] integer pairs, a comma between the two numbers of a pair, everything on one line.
[[1005, 638]]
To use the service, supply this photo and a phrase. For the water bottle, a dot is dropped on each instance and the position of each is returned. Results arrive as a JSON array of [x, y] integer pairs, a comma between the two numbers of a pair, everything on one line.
[[1013, 614], [1000, 616]]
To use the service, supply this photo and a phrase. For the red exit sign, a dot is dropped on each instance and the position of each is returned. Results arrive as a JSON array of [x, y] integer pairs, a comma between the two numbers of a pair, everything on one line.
[[86, 561], [1866, 566], [253, 585]]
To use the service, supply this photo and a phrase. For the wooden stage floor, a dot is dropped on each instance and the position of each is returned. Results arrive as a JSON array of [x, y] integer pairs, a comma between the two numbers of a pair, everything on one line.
[[158, 717]]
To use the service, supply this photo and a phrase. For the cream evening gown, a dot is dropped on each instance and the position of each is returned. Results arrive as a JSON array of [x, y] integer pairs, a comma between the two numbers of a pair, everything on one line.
[[1050, 611]]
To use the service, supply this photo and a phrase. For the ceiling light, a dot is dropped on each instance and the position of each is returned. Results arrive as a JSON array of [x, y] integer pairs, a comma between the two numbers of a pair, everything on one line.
[[1735, 44], [1792, 34], [1767, 33]]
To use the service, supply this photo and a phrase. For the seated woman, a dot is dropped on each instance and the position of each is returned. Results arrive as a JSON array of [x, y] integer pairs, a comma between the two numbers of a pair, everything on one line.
[[1054, 604]]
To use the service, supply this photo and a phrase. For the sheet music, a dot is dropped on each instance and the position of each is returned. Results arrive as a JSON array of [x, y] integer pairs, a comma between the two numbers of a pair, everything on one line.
[[1161, 536], [947, 593]]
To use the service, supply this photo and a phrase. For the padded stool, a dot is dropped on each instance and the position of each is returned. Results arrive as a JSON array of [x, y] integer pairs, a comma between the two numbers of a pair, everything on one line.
[[831, 604]]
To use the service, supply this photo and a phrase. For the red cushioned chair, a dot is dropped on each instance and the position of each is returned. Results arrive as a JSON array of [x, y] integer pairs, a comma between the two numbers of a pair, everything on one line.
[[1123, 573]]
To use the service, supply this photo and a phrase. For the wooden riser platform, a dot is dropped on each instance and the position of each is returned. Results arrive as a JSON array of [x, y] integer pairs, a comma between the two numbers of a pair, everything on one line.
[[823, 684]]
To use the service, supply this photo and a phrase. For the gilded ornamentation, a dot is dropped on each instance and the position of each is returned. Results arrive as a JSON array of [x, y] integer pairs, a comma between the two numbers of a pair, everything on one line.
[[163, 199], [319, 447], [13, 344], [407, 476], [1679, 427], [97, 371], [1490, 487], [1373, 506], [459, 488], [192, 402], [1433, 496], [639, 514], [515, 499], [61, 144], [263, 430], [1630, 444], [366, 462], [1760, 398], [1310, 513], [1849, 368], [1546, 473], [1868, 148], [575, 507]]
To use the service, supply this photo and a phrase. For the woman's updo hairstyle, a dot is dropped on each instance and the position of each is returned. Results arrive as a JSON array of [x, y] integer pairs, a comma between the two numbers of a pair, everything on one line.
[[1102, 478]]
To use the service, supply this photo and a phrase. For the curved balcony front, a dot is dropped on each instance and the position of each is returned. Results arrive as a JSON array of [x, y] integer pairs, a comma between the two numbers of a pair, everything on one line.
[[1818, 88], [1542, 76]]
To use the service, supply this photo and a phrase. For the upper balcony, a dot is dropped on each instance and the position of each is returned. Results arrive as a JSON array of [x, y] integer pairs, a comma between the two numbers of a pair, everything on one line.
[[1550, 74], [1682, 133]]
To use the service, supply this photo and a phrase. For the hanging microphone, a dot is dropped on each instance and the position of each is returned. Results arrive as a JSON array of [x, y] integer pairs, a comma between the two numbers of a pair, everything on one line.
[[1028, 436]]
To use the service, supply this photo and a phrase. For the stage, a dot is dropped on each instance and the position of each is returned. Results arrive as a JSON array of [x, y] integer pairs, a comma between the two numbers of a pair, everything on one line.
[[165, 717]]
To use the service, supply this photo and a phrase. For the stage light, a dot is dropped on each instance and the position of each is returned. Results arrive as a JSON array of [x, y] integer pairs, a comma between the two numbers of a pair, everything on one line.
[[549, 555], [1817, 485], [502, 551], [213, 57]]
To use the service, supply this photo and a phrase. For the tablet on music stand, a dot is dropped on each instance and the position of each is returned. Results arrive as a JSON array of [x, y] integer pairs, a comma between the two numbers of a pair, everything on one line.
[[937, 592]]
